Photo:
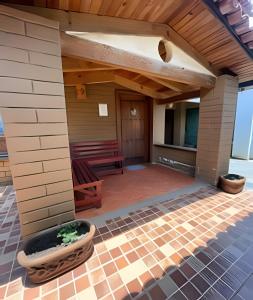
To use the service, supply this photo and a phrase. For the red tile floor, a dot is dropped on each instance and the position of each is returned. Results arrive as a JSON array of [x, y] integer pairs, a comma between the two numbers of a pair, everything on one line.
[[133, 186], [197, 246]]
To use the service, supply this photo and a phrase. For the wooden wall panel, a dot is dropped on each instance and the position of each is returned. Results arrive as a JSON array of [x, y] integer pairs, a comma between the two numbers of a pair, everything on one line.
[[84, 122]]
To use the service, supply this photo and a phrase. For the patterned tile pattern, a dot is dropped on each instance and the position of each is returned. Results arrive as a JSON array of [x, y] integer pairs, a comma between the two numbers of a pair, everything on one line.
[[198, 246]]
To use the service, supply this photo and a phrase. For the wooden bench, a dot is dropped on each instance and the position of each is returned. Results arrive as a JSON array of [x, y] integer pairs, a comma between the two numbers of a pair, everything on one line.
[[87, 186], [102, 155]]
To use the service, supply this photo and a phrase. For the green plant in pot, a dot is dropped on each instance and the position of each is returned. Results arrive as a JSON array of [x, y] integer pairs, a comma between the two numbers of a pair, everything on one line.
[[68, 234], [231, 183]]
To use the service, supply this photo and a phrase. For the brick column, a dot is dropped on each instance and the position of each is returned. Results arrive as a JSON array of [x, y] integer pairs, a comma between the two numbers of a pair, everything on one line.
[[32, 105], [216, 123]]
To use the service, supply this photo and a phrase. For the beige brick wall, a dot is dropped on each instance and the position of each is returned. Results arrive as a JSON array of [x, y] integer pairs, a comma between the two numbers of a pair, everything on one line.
[[5, 172], [216, 124], [32, 105]]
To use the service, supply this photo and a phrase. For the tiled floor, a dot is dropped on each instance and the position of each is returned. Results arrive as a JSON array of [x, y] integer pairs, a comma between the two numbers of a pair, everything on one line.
[[198, 246], [134, 186]]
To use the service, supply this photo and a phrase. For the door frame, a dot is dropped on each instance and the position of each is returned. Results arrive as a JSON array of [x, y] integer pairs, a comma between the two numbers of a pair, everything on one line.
[[149, 119]]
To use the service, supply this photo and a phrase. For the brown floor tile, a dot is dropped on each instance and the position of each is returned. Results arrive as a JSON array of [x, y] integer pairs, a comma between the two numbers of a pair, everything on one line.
[[80, 270], [105, 258], [110, 268], [97, 276], [116, 252], [201, 284], [121, 263], [51, 296], [126, 247], [82, 283], [101, 289], [32, 293], [178, 278], [190, 291], [134, 287], [122, 293], [49, 286], [157, 293], [65, 278], [132, 256], [146, 279], [115, 281], [67, 291], [149, 261], [187, 270], [157, 271]]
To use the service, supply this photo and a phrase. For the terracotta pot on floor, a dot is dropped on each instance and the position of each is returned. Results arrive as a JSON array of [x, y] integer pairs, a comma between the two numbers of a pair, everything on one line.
[[231, 183], [50, 264]]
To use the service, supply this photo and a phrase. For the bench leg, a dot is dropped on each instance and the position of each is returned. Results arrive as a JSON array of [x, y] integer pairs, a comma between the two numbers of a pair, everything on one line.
[[99, 194]]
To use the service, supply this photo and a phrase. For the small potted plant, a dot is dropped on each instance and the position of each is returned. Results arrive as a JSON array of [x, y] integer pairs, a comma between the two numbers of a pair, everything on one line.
[[231, 183], [57, 250]]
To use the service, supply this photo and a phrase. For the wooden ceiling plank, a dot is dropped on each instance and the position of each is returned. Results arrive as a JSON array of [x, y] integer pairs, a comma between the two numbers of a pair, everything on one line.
[[72, 79], [184, 96], [70, 64]]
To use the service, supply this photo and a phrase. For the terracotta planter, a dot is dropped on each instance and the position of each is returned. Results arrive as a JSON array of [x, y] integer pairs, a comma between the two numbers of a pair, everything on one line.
[[232, 183], [49, 263]]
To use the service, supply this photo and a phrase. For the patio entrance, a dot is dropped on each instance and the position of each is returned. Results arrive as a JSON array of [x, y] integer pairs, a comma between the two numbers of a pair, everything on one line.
[[133, 127]]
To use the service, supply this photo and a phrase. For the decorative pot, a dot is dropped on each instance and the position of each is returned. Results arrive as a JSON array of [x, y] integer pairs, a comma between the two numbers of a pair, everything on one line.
[[43, 260], [232, 183]]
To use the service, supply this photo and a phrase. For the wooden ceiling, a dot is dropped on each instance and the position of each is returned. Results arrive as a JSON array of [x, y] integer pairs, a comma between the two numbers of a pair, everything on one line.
[[192, 20], [79, 72]]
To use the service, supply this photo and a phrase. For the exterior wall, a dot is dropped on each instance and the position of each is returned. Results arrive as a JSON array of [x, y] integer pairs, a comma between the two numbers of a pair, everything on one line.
[[184, 156], [158, 123], [243, 133], [84, 122], [5, 172], [216, 123], [32, 105]]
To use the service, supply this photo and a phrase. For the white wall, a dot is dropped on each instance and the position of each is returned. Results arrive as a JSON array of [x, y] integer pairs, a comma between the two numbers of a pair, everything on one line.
[[243, 139]]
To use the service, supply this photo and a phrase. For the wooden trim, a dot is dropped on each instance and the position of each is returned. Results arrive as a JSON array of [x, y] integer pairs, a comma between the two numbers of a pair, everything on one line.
[[100, 53], [133, 85], [185, 96], [74, 78]]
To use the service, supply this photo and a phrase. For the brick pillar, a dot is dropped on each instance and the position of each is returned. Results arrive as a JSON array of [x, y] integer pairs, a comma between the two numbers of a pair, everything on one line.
[[32, 105], [216, 123]]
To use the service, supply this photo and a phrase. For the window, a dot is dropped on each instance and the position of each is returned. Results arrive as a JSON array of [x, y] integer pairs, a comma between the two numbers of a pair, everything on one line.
[[181, 124], [1, 127]]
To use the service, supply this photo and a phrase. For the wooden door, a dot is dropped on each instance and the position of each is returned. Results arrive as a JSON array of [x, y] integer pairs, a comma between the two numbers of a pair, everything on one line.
[[134, 128]]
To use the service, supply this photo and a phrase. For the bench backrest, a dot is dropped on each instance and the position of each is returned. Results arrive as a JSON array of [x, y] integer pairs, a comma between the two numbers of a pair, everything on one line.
[[94, 149]]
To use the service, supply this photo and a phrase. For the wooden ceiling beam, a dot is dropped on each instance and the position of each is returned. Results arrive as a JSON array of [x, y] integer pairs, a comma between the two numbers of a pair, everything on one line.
[[70, 64], [181, 97], [92, 77], [175, 86], [105, 54], [143, 89], [84, 22]]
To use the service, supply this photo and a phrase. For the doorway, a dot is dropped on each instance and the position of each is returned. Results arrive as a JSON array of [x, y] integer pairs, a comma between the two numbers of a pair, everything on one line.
[[133, 127]]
